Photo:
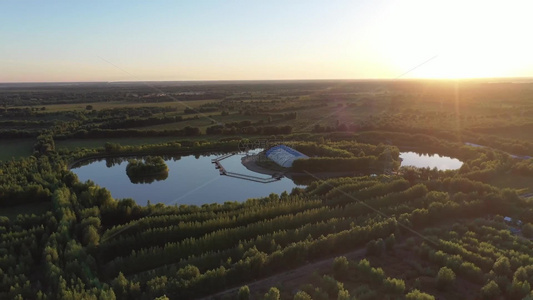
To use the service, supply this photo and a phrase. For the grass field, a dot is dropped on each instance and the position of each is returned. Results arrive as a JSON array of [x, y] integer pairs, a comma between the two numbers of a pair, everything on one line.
[[16, 148], [523, 134], [31, 208], [95, 143], [181, 105], [522, 183]]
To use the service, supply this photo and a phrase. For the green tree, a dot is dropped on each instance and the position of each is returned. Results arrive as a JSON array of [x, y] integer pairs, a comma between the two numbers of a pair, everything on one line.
[[445, 278], [389, 242], [394, 285], [527, 230], [91, 236], [343, 295], [189, 272], [331, 285], [491, 290], [272, 294], [301, 295], [502, 266], [519, 289], [340, 267], [418, 295], [373, 248], [120, 286], [520, 274], [244, 293]]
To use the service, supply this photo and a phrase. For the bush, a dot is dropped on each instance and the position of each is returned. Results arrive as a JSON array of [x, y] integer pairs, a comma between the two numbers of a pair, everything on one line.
[[272, 294], [519, 289], [502, 266], [394, 285], [377, 275], [389, 242], [331, 286], [418, 295], [527, 230], [491, 290], [374, 248], [301, 295], [244, 293], [343, 295], [445, 278], [340, 267]]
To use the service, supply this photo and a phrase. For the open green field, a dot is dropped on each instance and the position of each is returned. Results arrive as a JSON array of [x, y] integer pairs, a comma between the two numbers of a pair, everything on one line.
[[72, 144], [16, 148], [522, 183], [523, 133], [168, 102]]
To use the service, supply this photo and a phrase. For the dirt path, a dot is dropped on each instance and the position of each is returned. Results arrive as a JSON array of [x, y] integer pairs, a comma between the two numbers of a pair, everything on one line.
[[262, 285]]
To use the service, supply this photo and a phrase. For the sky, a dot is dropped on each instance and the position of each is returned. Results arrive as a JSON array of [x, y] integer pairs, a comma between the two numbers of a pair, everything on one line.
[[48, 41]]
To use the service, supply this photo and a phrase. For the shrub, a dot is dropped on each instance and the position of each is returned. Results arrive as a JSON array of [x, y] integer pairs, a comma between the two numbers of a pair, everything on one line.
[[394, 285], [340, 267], [244, 293], [527, 230], [445, 278], [502, 266], [418, 295], [272, 294], [301, 295], [491, 290]]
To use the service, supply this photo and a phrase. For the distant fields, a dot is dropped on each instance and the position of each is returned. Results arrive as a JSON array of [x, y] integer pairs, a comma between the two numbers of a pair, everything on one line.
[[72, 144], [180, 105]]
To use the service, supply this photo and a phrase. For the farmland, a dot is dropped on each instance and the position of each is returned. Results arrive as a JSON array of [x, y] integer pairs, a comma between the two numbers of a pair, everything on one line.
[[378, 230]]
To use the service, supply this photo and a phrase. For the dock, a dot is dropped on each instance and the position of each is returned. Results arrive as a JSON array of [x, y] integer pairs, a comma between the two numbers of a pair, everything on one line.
[[224, 172]]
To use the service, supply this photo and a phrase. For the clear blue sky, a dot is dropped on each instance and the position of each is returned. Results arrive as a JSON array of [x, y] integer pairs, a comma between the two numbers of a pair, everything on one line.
[[231, 40]]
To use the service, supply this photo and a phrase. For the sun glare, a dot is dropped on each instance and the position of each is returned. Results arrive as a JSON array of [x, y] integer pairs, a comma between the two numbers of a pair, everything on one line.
[[467, 38]]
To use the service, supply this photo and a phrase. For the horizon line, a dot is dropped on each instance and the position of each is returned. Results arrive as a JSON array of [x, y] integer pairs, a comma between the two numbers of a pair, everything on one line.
[[271, 80]]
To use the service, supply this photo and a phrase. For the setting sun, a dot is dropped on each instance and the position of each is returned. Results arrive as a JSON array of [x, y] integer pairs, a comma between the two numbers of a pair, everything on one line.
[[467, 39]]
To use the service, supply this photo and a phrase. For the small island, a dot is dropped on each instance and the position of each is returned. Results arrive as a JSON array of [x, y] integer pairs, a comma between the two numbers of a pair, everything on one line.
[[151, 169]]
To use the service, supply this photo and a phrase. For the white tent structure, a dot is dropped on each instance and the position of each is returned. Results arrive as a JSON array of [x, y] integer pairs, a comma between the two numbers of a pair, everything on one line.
[[283, 155]]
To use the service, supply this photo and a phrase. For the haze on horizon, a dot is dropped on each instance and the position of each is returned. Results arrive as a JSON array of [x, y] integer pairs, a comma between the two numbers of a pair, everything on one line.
[[269, 40]]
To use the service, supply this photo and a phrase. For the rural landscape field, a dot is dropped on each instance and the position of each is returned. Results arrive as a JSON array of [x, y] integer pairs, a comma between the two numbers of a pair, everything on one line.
[[266, 150], [357, 223]]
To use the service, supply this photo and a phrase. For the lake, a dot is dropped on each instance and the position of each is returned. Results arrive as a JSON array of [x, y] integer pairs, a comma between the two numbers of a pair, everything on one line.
[[191, 180], [432, 161]]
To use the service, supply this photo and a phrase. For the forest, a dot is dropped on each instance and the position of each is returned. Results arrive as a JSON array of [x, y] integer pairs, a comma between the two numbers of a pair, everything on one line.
[[379, 230]]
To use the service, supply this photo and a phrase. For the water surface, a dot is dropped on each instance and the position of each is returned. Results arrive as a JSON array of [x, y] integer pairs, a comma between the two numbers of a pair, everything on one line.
[[432, 161], [191, 180]]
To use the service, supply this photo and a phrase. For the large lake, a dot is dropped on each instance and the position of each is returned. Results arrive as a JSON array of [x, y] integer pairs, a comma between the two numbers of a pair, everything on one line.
[[191, 180], [432, 161]]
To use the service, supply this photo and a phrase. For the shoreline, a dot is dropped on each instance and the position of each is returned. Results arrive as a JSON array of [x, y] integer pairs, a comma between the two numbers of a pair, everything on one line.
[[249, 163]]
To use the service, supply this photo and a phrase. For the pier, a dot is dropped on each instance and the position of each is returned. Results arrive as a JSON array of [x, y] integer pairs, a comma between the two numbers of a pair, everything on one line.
[[224, 172]]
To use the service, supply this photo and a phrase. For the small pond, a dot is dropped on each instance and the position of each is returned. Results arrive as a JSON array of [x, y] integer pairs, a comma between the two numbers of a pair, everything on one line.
[[191, 180], [432, 161]]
